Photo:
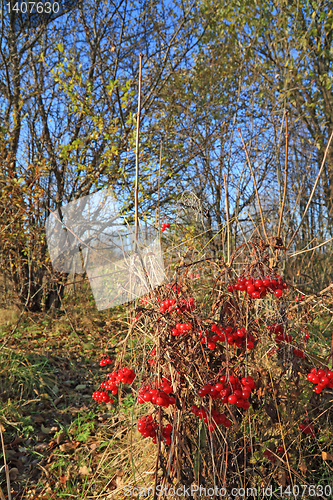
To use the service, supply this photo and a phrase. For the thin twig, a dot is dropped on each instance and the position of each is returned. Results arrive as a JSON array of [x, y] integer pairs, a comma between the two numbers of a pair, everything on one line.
[[227, 215], [285, 178], [310, 249], [136, 199], [158, 224], [312, 192], [255, 187]]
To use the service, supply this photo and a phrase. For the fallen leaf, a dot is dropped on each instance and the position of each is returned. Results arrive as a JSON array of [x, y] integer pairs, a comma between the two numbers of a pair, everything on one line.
[[41, 447], [69, 446], [80, 387], [271, 412], [13, 473], [61, 437], [302, 467], [52, 443], [282, 477], [119, 481], [326, 456], [84, 471], [45, 430], [63, 480]]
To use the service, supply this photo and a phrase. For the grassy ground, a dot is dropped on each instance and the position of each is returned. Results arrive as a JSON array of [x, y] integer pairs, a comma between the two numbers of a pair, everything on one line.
[[59, 442]]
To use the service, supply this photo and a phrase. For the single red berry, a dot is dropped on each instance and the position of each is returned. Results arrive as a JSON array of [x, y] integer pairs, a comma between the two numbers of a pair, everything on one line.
[[232, 399]]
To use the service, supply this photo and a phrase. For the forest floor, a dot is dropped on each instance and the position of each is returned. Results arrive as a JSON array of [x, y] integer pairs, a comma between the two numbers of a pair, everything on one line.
[[59, 443]]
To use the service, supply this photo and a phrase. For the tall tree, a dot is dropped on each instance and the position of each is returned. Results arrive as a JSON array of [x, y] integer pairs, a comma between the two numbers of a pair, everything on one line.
[[69, 100], [288, 51]]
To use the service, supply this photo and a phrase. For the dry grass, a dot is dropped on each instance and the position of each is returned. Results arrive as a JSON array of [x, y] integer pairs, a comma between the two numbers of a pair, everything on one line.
[[9, 317]]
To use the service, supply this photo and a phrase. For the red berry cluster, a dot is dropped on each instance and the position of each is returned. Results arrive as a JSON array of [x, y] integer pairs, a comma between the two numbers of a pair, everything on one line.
[[158, 395], [307, 429], [165, 226], [280, 334], [212, 418], [209, 338], [230, 390], [101, 397], [257, 288], [299, 353], [105, 361], [182, 306], [124, 375], [186, 305], [148, 427], [322, 378], [181, 329], [237, 336], [167, 305]]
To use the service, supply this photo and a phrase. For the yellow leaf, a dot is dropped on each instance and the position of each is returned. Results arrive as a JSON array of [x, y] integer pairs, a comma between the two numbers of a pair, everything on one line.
[[326, 456]]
